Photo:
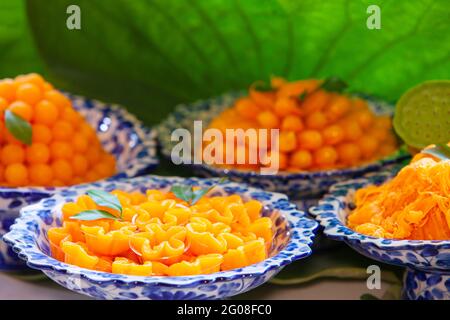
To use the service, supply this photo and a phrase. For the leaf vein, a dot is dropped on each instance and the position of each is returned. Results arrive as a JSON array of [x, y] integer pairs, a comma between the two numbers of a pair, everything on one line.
[[255, 42], [218, 36], [382, 50]]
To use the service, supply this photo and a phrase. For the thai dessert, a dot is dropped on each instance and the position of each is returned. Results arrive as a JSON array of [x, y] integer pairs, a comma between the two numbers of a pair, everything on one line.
[[44, 141]]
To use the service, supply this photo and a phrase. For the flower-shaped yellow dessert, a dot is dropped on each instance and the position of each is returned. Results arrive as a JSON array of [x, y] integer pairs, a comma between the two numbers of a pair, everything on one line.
[[181, 232]]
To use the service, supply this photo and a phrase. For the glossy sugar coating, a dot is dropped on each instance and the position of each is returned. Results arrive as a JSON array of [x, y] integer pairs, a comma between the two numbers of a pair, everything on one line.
[[160, 234], [65, 149], [319, 130]]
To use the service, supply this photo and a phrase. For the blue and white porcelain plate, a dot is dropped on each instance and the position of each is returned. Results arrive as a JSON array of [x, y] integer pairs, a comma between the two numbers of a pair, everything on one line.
[[427, 261], [132, 144], [310, 185], [293, 233]]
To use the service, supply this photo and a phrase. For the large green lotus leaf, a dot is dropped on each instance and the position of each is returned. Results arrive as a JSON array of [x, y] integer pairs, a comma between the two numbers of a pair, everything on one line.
[[17, 52], [151, 55]]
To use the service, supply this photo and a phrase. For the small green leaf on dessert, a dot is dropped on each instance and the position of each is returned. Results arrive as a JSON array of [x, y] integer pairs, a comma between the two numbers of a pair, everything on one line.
[[334, 84], [105, 199], [421, 114], [183, 192], [198, 194], [191, 196]]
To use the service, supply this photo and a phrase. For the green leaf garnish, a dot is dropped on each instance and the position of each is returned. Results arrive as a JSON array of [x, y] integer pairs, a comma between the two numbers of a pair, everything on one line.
[[441, 151], [218, 53], [191, 196], [302, 96], [199, 193], [89, 215], [261, 86], [334, 84], [105, 199], [18, 127]]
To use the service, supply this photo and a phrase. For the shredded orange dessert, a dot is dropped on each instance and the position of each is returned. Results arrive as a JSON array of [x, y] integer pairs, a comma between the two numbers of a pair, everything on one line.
[[44, 140], [159, 234], [414, 205]]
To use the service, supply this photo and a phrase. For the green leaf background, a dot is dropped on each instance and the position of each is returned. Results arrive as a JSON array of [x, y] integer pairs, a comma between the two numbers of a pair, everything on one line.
[[17, 51], [152, 55]]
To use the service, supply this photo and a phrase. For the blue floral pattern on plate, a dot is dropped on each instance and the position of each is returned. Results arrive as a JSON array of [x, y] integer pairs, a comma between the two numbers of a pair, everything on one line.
[[427, 261], [133, 145], [293, 233], [296, 185]]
